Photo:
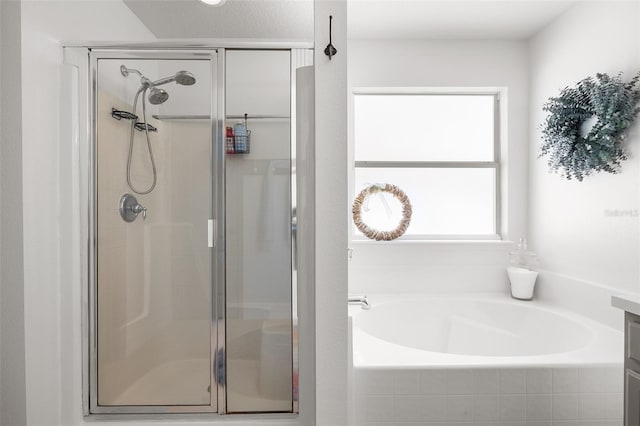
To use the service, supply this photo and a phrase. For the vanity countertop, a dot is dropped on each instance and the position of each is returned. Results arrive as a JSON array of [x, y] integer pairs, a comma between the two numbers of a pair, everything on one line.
[[627, 302]]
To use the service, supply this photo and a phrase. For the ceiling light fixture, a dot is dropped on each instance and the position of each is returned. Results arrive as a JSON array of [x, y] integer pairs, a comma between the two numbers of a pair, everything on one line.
[[214, 2]]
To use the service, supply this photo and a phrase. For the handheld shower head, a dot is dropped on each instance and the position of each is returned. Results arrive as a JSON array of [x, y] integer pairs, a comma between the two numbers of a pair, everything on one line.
[[157, 96], [184, 78]]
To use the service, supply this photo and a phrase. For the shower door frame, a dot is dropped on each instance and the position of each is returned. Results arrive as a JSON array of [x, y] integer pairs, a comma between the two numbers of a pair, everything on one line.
[[217, 210]]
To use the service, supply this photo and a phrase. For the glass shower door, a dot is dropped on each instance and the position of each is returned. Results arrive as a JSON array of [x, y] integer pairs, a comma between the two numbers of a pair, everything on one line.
[[153, 181], [260, 335]]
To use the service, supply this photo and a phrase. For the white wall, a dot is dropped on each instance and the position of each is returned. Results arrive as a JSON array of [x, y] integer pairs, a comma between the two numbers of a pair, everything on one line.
[[12, 380], [52, 360], [380, 267], [583, 251], [331, 205]]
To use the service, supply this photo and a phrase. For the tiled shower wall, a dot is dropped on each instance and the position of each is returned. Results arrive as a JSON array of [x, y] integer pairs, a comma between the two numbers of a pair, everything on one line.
[[153, 276], [489, 397]]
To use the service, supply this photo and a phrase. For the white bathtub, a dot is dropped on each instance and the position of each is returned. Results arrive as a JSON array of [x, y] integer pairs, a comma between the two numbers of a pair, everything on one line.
[[408, 331], [481, 360]]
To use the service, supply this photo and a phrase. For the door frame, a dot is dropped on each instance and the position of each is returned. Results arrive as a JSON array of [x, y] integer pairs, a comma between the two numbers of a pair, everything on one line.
[[217, 261]]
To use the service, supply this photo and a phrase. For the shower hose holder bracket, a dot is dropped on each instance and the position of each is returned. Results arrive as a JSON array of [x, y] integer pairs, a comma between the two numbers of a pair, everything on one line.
[[120, 114]]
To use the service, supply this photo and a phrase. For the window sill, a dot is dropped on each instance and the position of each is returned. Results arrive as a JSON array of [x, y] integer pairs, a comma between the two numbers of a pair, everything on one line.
[[473, 243]]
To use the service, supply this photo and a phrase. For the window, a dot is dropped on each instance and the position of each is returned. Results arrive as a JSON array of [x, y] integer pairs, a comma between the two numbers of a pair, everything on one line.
[[442, 150]]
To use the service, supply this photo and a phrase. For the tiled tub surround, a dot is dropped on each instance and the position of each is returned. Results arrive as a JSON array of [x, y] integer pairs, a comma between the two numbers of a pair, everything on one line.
[[589, 396], [572, 375]]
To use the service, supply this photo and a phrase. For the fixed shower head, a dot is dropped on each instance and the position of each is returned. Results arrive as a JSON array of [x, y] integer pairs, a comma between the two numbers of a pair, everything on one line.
[[157, 96], [184, 78]]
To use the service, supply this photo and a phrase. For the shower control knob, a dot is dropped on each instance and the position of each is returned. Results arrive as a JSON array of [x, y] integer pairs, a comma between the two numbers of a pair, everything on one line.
[[130, 208], [137, 209]]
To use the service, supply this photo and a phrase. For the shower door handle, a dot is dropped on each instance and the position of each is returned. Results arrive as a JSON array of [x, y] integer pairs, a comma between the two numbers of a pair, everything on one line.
[[211, 233]]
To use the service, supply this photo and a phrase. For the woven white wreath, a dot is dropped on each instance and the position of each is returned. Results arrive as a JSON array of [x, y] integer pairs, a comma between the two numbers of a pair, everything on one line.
[[375, 234]]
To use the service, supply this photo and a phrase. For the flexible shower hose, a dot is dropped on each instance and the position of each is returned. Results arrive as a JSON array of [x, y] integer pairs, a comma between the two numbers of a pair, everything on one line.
[[131, 139]]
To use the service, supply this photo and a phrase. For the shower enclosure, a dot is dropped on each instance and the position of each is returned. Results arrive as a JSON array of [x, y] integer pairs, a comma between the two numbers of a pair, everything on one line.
[[191, 279]]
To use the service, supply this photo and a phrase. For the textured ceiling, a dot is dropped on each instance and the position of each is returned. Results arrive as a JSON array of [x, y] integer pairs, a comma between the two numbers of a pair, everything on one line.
[[292, 20], [282, 20], [452, 19]]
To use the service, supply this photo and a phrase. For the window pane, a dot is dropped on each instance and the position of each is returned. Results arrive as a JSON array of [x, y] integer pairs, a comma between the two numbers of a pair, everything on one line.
[[424, 127], [444, 201]]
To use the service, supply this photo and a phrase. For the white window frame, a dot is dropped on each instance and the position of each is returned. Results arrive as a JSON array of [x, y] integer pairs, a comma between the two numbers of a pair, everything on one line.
[[496, 164]]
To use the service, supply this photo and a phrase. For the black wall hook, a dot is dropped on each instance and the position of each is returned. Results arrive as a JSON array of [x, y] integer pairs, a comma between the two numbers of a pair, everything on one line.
[[330, 50]]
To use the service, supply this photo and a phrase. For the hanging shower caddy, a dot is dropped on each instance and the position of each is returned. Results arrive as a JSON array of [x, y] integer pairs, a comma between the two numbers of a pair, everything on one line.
[[238, 139]]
